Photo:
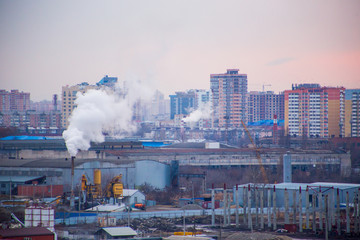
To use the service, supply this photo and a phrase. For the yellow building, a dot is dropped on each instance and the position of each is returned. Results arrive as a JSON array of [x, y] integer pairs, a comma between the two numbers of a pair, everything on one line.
[[314, 111], [68, 98], [68, 95]]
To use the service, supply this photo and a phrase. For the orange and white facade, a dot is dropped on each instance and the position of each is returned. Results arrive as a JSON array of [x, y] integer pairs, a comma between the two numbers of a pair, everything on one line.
[[314, 111]]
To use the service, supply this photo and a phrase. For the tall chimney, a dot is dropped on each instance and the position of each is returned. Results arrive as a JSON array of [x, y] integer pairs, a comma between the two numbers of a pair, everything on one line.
[[55, 102], [72, 197], [287, 168]]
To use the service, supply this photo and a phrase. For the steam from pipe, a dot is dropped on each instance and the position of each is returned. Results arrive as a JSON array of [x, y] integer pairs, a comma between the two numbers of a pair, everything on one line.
[[101, 111]]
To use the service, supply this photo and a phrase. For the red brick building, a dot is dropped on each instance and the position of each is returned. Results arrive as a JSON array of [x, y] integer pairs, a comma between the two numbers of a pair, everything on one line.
[[40, 190], [35, 233]]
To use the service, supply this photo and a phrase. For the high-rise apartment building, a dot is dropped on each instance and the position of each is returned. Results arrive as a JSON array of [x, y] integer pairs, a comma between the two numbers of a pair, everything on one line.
[[352, 113], [229, 92], [264, 105], [68, 98], [159, 109], [314, 111], [14, 101], [68, 95], [201, 97], [182, 103]]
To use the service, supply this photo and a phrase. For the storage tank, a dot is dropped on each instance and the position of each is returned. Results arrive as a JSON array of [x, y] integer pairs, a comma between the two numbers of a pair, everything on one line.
[[118, 190], [36, 216], [97, 177]]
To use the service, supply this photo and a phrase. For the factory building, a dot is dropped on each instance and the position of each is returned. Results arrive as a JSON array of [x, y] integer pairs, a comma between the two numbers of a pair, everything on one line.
[[10, 182]]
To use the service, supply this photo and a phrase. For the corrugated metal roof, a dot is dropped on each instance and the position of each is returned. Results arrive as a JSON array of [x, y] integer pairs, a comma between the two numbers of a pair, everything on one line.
[[18, 178], [25, 232], [292, 186], [341, 186], [107, 208], [129, 192], [120, 231], [295, 186]]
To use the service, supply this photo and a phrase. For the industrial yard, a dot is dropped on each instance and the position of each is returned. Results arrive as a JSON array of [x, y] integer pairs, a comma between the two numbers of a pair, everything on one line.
[[121, 185]]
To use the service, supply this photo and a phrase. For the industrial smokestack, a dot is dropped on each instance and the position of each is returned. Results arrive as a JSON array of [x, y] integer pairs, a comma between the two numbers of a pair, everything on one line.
[[55, 102], [287, 168], [72, 198]]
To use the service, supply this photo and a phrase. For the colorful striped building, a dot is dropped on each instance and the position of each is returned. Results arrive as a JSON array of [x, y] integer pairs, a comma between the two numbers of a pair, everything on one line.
[[229, 91], [315, 111]]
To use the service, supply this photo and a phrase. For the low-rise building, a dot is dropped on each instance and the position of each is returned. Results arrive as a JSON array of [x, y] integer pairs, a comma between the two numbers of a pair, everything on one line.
[[115, 233], [34, 233], [133, 196]]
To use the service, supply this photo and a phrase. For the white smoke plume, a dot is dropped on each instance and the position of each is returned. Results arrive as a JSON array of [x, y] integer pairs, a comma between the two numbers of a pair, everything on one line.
[[203, 112], [102, 111]]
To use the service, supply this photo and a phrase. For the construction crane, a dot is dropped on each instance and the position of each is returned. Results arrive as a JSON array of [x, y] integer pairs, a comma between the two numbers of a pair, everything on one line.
[[265, 85], [114, 188], [257, 151]]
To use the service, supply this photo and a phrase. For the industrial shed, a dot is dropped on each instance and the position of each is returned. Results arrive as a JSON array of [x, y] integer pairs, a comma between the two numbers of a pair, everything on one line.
[[10, 183], [115, 233], [153, 173], [133, 196]]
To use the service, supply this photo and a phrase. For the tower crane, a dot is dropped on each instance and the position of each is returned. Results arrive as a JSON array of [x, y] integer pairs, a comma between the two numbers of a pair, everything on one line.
[[257, 151], [265, 85]]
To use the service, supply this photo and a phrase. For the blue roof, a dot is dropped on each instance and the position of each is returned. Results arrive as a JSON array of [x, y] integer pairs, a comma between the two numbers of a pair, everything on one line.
[[349, 93], [154, 144], [107, 80], [266, 123], [24, 137]]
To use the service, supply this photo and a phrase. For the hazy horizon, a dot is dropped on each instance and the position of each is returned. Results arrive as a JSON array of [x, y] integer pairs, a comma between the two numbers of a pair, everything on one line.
[[176, 45]]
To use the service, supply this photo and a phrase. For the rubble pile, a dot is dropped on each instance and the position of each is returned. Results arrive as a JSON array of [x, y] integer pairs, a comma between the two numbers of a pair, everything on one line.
[[152, 224], [256, 236], [192, 207], [191, 220]]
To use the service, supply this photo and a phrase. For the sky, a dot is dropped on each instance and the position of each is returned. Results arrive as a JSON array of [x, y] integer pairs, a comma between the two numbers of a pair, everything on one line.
[[176, 45]]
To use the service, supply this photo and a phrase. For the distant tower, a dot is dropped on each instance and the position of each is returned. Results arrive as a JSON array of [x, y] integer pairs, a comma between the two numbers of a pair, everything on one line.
[[55, 102], [275, 137], [287, 168]]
